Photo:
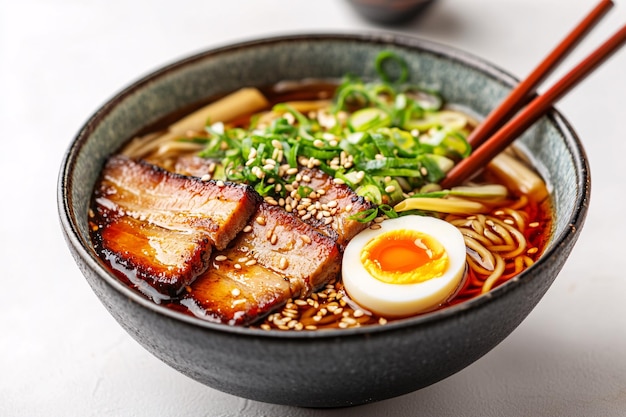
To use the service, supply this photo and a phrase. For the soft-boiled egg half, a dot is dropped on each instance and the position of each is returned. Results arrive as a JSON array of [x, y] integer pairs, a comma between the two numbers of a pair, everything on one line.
[[410, 265]]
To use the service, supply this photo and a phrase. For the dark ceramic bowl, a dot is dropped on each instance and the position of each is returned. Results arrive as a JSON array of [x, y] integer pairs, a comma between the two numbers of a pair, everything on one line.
[[329, 368], [390, 12]]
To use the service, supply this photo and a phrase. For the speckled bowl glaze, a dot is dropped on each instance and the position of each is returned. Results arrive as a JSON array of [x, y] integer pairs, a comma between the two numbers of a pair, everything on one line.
[[331, 368]]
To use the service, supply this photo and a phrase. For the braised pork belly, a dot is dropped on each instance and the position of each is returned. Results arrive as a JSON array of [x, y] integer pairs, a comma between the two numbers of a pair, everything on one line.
[[162, 227], [336, 203], [275, 258], [218, 248], [167, 260]]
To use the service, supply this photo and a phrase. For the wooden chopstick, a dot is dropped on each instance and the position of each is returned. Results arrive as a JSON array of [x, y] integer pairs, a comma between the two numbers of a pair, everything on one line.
[[531, 113], [521, 94]]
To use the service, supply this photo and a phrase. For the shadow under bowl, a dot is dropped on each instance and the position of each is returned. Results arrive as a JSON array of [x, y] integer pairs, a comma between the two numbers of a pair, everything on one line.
[[330, 368]]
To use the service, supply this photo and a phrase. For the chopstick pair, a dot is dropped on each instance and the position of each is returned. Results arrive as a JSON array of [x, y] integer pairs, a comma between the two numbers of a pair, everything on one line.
[[495, 133]]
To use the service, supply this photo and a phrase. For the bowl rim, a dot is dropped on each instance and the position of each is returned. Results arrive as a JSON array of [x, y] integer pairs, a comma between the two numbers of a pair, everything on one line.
[[82, 248]]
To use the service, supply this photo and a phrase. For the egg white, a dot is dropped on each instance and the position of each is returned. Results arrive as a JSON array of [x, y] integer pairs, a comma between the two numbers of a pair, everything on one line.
[[401, 300]]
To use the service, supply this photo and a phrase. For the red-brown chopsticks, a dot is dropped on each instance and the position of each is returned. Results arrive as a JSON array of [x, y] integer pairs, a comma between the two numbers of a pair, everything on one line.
[[487, 147]]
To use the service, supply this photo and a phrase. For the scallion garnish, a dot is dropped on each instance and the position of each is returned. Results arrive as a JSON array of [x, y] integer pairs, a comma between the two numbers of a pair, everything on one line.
[[387, 138]]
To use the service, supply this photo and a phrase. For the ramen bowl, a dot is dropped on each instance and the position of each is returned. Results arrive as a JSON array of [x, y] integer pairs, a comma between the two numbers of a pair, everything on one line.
[[323, 368]]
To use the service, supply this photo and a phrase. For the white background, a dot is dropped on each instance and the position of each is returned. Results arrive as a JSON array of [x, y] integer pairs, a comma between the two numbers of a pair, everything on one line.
[[61, 354]]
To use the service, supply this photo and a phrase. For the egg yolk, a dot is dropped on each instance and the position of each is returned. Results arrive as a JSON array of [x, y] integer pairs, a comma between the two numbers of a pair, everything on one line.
[[404, 257]]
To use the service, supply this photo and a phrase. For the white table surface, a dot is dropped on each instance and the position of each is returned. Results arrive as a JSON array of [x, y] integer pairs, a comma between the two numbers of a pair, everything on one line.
[[62, 354]]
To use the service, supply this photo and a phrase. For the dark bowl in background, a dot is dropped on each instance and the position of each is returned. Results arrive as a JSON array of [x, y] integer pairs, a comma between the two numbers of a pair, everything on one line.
[[330, 368], [390, 12]]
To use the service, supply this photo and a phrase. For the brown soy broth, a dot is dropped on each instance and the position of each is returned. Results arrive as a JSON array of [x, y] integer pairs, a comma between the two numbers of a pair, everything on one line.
[[539, 213]]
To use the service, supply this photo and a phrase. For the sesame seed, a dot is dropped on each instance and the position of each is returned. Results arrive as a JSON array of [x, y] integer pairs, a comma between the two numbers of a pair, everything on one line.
[[205, 177], [338, 181], [251, 262], [533, 224], [390, 189], [220, 183], [260, 220], [292, 314], [291, 171], [273, 239], [305, 239], [220, 258], [532, 251], [235, 292], [258, 172], [237, 266], [375, 226], [283, 263], [318, 143], [243, 259], [247, 229]]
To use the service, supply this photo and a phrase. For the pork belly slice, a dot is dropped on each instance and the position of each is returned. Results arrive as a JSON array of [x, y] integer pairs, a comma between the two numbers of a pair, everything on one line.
[[276, 258], [166, 260], [232, 296], [345, 203], [176, 202]]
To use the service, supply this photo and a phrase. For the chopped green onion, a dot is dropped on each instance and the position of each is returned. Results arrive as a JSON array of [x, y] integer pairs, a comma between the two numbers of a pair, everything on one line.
[[394, 140], [382, 63], [368, 118]]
